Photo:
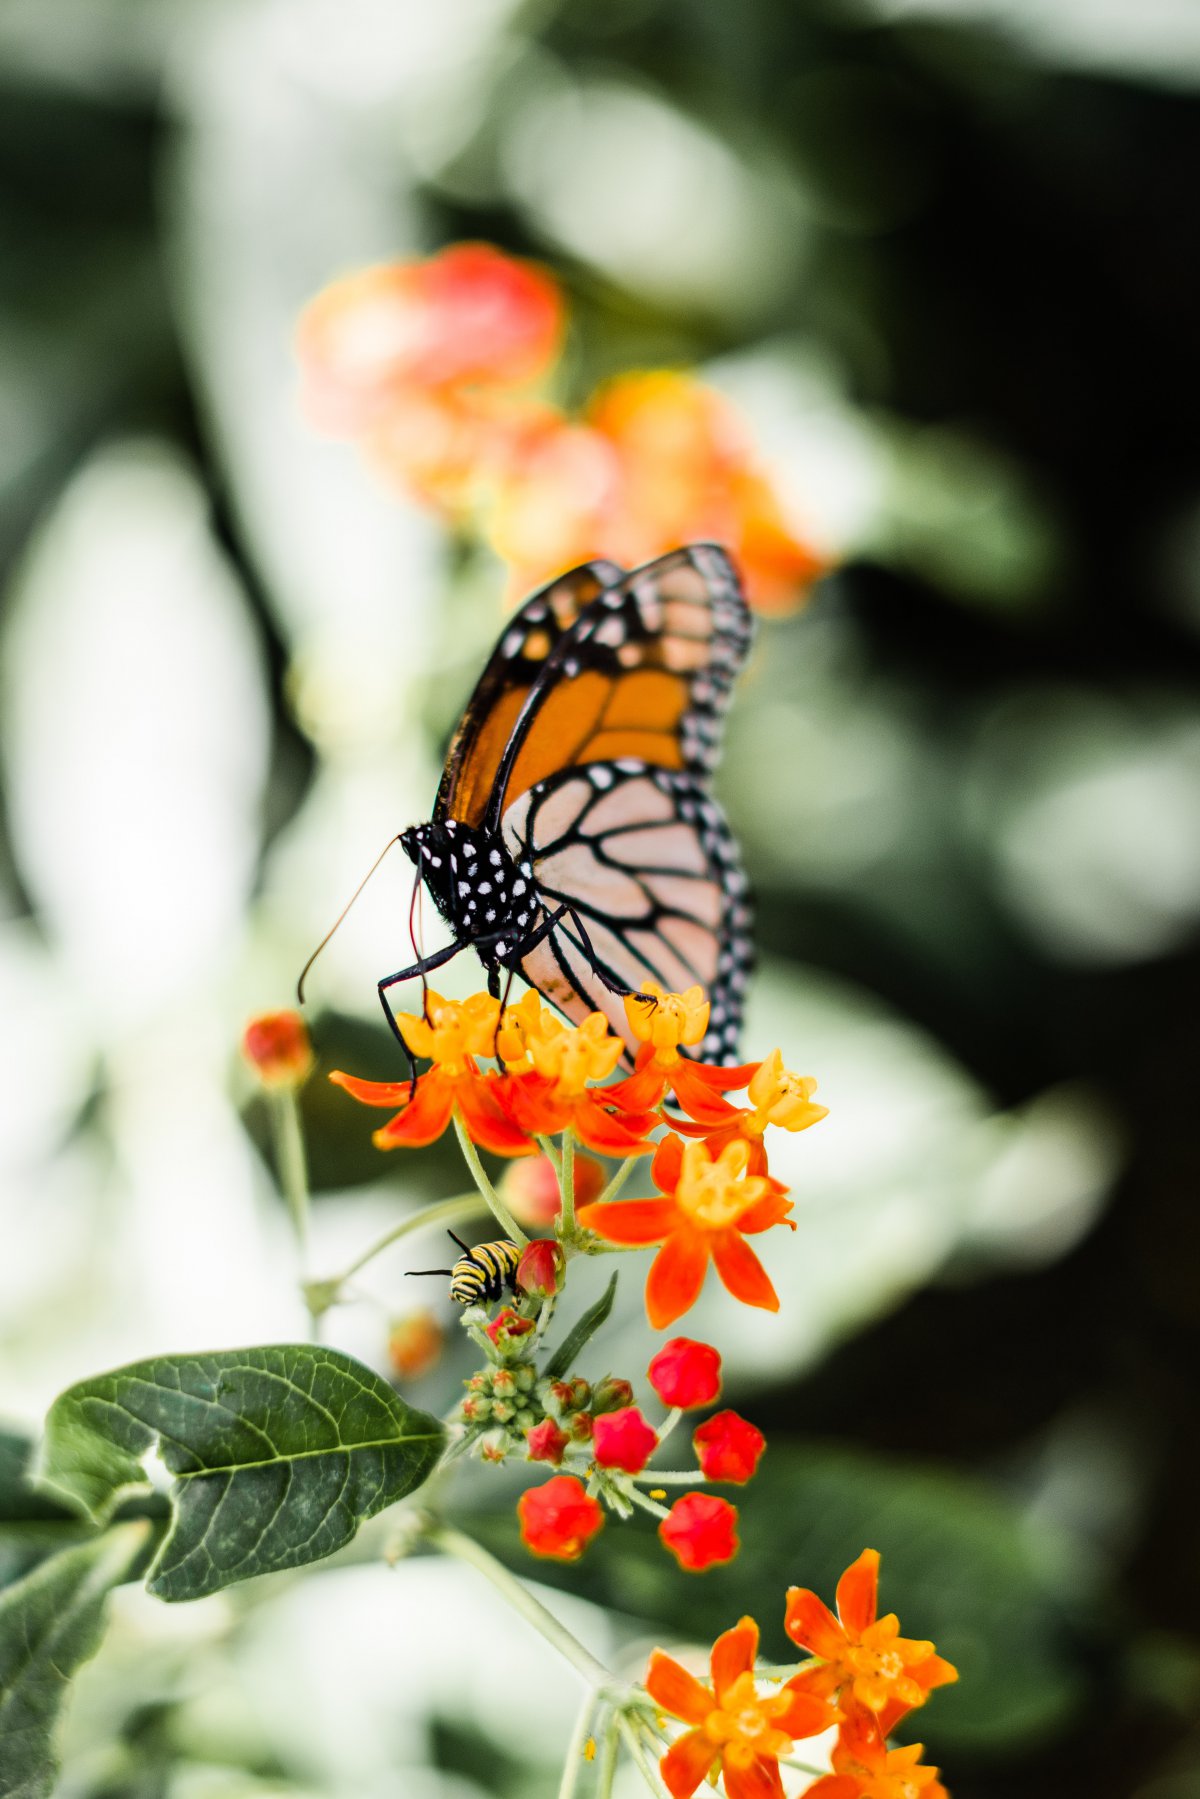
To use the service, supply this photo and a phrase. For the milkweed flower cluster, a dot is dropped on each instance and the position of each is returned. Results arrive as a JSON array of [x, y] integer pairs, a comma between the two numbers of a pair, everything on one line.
[[438, 368], [867, 1680], [714, 1190], [520, 1081]]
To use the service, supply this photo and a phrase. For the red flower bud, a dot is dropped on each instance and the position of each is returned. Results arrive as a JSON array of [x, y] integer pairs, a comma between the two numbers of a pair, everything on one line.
[[277, 1045], [546, 1442], [580, 1426], [727, 1447], [506, 1326], [623, 1440], [701, 1531], [559, 1519], [539, 1272], [415, 1343], [610, 1394], [686, 1374]]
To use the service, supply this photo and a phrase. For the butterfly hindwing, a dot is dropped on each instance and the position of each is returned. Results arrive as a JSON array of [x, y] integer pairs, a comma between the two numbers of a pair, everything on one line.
[[644, 864]]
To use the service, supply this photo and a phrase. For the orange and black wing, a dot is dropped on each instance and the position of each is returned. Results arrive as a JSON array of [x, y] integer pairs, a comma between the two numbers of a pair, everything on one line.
[[643, 673], [517, 669], [603, 793]]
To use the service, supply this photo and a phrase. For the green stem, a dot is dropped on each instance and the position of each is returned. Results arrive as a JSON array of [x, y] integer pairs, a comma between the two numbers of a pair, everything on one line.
[[445, 1211], [291, 1163], [669, 1422], [691, 1477], [607, 1766], [566, 1183], [646, 1768], [575, 1748], [790, 1761], [454, 1542], [549, 1149], [618, 1180], [647, 1504], [322, 1294], [504, 1217]]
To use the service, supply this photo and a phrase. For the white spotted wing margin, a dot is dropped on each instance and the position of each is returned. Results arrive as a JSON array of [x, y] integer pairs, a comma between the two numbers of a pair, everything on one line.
[[278, 1455]]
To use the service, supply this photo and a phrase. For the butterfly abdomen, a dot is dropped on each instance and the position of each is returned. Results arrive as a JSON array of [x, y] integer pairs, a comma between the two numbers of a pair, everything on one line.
[[478, 888]]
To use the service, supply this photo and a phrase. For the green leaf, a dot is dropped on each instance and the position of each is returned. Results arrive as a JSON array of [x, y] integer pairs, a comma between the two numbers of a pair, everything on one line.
[[576, 1340], [32, 1526], [279, 1454], [50, 1623]]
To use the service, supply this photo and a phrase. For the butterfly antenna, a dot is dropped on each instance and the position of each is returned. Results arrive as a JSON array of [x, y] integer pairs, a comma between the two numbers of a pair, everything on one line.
[[341, 915]]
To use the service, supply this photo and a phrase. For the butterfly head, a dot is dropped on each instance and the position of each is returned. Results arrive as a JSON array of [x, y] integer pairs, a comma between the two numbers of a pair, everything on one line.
[[477, 887]]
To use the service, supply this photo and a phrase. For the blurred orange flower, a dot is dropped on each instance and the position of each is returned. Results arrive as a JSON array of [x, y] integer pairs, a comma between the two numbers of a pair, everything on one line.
[[468, 316], [430, 364]]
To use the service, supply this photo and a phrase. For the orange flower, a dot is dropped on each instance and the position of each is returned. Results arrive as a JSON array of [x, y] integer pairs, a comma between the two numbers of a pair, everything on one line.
[[559, 1518], [711, 1205], [689, 472], [560, 1060], [277, 1046], [734, 1728], [777, 1096], [451, 1034], [861, 1655], [865, 1768], [415, 1343], [661, 1022], [467, 316]]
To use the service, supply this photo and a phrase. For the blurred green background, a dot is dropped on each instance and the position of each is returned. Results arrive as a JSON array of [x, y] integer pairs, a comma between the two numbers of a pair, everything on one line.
[[945, 254]]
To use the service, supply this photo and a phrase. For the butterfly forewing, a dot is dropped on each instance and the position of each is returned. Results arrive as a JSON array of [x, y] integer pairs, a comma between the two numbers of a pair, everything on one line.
[[645, 673], [518, 665]]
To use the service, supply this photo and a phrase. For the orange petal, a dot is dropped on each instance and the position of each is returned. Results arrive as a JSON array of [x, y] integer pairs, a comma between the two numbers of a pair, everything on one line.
[[640, 1092], [608, 1134], [936, 1671], [667, 1164], [760, 1780], [676, 1277], [700, 1098], [810, 1623], [687, 1763], [733, 1654], [677, 1691], [374, 1093], [772, 1208], [807, 1715], [834, 1786], [819, 1682], [630, 1221], [486, 1121], [742, 1272], [857, 1591], [424, 1121]]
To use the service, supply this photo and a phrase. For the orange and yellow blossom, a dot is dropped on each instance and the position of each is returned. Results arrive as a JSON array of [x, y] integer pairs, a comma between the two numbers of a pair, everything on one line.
[[710, 1205], [863, 1658], [550, 1065], [662, 1023], [451, 1034], [776, 1095], [734, 1729], [467, 317], [865, 1768], [689, 472]]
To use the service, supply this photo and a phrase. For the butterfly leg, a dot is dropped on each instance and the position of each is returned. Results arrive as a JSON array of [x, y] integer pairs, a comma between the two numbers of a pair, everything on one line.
[[598, 968], [422, 968]]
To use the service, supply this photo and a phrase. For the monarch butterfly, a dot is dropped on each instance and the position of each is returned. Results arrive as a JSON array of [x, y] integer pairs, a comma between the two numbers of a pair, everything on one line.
[[480, 1274], [574, 840]]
